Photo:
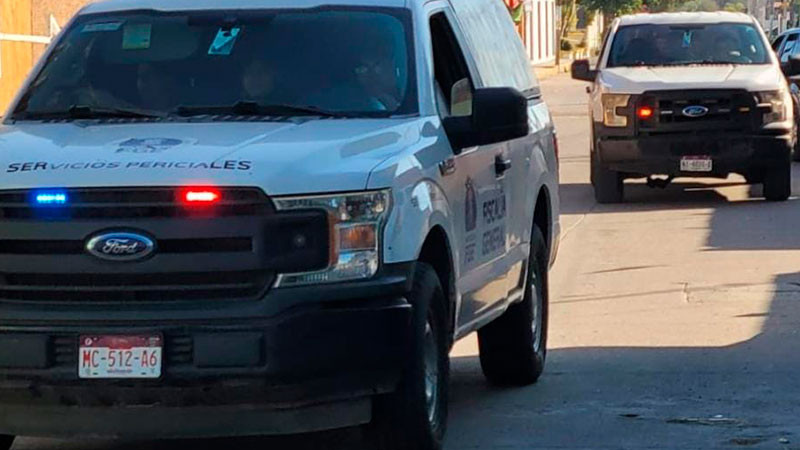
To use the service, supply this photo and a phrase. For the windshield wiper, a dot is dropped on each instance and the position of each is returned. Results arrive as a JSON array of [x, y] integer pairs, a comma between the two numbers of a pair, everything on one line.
[[92, 112], [247, 108]]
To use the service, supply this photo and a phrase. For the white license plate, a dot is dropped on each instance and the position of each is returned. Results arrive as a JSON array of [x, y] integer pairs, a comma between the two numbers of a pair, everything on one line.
[[120, 356], [696, 164]]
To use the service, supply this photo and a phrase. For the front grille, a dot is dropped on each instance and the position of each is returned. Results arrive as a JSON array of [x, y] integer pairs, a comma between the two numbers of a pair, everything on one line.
[[65, 350], [232, 249], [132, 287], [726, 110], [130, 203], [166, 246], [671, 111]]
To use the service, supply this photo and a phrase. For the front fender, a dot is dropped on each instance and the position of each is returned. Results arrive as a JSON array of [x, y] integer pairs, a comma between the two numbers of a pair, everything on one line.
[[418, 209]]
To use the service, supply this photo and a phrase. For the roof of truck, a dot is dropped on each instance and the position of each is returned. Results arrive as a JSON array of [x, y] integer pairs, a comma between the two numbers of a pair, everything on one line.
[[200, 5], [685, 18]]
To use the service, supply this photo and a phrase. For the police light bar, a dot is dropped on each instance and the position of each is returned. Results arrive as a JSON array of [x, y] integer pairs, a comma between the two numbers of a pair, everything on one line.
[[50, 198], [201, 196]]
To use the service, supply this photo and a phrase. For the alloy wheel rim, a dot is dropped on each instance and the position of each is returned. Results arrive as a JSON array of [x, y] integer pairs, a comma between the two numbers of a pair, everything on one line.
[[431, 369], [536, 305]]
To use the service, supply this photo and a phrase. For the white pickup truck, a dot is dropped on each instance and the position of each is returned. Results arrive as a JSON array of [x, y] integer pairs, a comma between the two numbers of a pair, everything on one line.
[[688, 95]]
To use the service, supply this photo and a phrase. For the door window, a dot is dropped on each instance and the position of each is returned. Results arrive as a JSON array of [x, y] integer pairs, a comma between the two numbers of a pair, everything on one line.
[[776, 45], [788, 47], [454, 85]]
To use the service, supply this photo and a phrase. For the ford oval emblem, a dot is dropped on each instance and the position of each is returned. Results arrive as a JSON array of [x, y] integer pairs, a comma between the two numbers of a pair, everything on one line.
[[695, 111], [121, 246]]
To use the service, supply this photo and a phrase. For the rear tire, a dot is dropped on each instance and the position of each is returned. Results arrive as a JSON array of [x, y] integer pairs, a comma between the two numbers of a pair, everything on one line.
[[6, 441], [608, 184], [778, 183], [796, 146], [513, 348], [414, 417]]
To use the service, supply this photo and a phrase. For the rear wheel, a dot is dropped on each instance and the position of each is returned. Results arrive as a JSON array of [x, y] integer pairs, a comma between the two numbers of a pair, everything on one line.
[[778, 183], [513, 348], [608, 184], [796, 147], [415, 416], [6, 441]]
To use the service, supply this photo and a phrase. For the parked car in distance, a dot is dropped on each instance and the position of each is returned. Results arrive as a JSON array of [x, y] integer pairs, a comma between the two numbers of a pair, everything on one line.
[[688, 94], [788, 51]]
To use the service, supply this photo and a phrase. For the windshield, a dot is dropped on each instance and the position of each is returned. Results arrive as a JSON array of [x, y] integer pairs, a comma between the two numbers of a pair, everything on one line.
[[355, 62], [662, 45]]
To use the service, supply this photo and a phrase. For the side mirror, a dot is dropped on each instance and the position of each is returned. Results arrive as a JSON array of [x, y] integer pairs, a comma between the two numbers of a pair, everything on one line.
[[498, 115], [792, 67], [581, 70]]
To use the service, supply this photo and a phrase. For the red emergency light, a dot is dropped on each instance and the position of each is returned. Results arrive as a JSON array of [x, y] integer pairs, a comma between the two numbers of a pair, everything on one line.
[[200, 196]]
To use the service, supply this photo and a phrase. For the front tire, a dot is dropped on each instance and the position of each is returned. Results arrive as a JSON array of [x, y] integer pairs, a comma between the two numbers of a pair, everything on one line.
[[778, 183], [414, 417], [608, 184], [513, 348], [6, 441]]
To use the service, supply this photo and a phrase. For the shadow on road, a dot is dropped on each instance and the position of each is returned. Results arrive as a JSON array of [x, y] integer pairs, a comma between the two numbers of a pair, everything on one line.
[[578, 198], [649, 397]]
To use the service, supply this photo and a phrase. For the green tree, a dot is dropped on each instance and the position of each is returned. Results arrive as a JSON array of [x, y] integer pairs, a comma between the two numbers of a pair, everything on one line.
[[663, 5], [700, 5], [735, 7], [612, 8]]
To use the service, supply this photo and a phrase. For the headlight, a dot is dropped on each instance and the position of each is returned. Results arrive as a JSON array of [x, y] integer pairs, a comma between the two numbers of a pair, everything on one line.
[[355, 225], [610, 104], [775, 104]]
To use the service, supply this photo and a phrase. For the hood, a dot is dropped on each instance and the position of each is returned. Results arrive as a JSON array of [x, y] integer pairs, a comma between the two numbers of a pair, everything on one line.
[[309, 156], [636, 80]]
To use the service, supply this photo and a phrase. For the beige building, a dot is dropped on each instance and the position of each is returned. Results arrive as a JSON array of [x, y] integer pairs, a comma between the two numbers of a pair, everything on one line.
[[26, 26]]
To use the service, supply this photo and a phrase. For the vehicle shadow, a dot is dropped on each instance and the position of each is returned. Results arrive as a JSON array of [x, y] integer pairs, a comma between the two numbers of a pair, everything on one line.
[[699, 396], [578, 198], [602, 397]]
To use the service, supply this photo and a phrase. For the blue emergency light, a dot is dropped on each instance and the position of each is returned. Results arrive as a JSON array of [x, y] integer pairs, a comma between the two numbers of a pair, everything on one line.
[[50, 198]]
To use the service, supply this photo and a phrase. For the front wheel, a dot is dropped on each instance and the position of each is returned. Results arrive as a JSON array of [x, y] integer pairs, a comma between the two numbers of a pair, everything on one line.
[[778, 183], [513, 348], [6, 441], [414, 417]]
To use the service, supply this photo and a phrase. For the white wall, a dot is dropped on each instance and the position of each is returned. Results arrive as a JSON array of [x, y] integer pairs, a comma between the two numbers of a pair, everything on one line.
[[540, 31]]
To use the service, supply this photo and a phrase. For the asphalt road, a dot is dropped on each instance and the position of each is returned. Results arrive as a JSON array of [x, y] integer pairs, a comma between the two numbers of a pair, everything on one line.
[[674, 325]]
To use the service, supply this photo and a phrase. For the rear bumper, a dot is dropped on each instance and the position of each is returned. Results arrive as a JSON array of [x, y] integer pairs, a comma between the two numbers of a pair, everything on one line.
[[647, 155], [314, 365]]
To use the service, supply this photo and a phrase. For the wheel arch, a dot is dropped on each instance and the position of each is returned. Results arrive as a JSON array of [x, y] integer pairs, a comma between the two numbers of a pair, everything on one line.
[[437, 251], [543, 216]]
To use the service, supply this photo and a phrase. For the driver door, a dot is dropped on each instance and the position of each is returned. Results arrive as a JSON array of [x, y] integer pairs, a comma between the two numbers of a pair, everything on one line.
[[479, 193]]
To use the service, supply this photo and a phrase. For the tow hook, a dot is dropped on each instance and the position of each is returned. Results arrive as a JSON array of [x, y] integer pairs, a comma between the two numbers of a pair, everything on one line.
[[661, 183]]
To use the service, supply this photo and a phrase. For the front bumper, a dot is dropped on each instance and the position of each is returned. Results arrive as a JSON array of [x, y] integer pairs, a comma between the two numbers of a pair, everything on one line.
[[730, 153], [310, 359]]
